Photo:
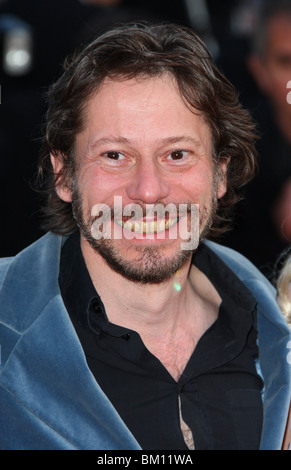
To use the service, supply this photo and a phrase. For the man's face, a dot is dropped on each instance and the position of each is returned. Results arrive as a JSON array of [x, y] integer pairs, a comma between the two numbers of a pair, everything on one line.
[[273, 70], [142, 143]]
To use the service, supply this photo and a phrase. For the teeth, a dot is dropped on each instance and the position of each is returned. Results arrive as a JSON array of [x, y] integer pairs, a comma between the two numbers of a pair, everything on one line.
[[149, 227]]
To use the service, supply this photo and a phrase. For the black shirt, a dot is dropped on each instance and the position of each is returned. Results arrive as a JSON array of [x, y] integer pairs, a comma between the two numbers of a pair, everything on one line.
[[219, 391]]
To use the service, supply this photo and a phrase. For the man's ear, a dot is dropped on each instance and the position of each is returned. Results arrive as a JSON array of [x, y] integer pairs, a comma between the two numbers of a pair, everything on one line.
[[63, 191], [222, 177]]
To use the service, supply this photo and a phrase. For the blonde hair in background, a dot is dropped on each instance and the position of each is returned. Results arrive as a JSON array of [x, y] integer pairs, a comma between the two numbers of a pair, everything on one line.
[[284, 290]]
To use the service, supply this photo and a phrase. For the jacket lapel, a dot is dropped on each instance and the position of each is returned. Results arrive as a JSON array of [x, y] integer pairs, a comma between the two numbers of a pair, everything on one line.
[[273, 339]]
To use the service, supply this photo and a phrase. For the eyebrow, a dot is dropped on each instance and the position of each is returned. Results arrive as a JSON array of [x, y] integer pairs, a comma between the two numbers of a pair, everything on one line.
[[109, 140], [165, 141], [177, 139]]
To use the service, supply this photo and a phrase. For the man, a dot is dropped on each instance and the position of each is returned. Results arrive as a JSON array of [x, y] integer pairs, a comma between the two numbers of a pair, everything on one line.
[[117, 330]]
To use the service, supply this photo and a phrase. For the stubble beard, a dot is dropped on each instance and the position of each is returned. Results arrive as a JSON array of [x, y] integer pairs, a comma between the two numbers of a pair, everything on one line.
[[149, 265]]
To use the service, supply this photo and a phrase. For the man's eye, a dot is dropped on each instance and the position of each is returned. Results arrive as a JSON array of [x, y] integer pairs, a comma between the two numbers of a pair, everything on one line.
[[177, 155], [114, 155]]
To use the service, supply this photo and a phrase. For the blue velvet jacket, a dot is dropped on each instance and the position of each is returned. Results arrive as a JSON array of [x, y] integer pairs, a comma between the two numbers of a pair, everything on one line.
[[48, 397]]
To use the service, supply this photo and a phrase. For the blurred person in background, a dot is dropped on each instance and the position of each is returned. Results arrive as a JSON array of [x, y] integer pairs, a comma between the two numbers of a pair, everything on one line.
[[262, 227], [282, 281]]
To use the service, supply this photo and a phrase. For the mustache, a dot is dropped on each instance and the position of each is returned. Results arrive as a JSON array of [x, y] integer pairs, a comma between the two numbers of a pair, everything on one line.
[[140, 211]]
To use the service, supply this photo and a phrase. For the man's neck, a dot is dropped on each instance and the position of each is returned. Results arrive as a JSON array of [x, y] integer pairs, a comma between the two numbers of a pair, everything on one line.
[[127, 301], [170, 317]]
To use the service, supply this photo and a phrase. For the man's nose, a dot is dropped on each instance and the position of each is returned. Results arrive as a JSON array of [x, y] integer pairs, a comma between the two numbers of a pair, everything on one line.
[[148, 184]]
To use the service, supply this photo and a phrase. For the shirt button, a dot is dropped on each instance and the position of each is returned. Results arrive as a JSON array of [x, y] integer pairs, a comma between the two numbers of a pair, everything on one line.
[[126, 336]]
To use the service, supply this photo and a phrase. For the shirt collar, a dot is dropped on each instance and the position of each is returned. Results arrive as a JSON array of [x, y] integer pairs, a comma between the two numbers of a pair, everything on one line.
[[86, 307], [225, 281], [81, 299]]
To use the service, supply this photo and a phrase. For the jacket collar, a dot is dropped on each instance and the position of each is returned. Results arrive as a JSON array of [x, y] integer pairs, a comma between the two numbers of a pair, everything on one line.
[[42, 257]]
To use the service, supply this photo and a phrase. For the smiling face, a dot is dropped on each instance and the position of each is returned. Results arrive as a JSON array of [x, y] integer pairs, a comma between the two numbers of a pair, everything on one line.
[[140, 142]]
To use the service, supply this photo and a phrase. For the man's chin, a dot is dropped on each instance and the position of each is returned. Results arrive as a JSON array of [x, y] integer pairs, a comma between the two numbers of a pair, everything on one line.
[[143, 264]]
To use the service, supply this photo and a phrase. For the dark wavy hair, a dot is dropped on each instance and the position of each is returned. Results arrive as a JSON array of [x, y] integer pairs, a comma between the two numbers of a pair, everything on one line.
[[149, 50]]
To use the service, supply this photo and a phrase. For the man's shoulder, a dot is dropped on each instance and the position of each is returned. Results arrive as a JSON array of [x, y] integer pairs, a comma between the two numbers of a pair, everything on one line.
[[261, 288], [241, 265], [4, 265], [46, 243], [28, 281]]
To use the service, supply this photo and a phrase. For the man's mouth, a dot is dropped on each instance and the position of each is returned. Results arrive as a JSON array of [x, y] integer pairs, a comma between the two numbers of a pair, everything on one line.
[[155, 223], [144, 227]]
